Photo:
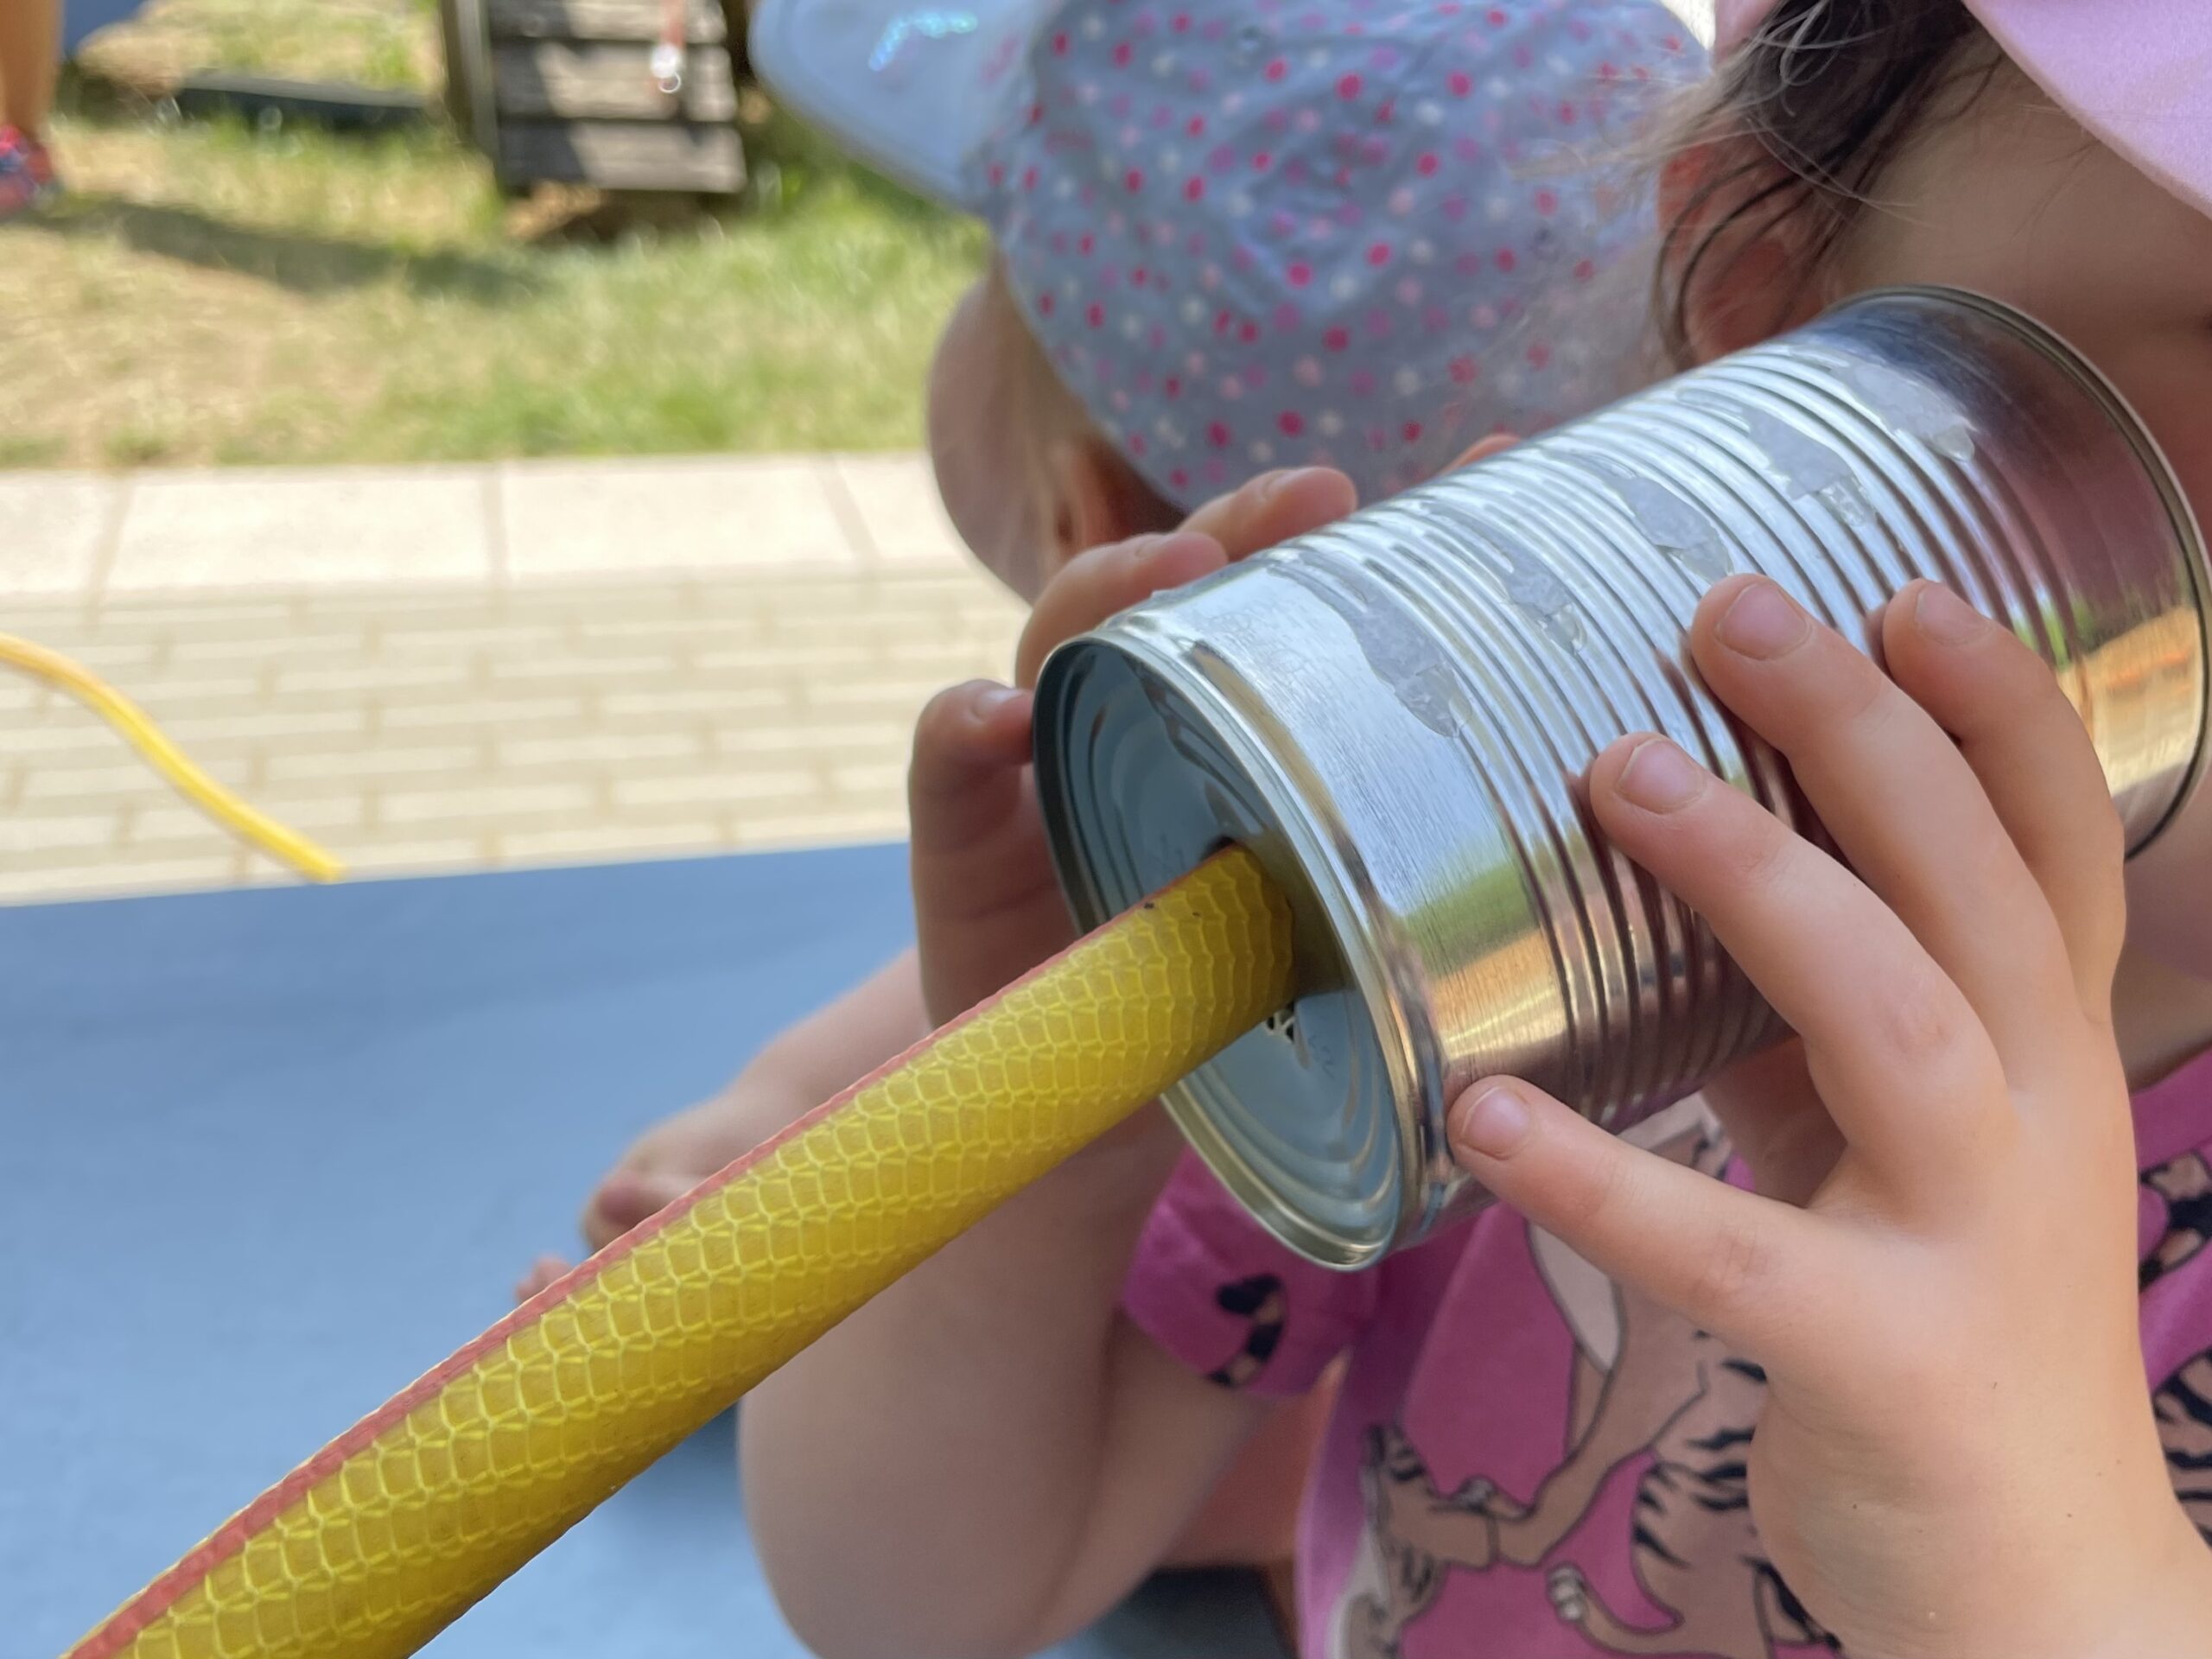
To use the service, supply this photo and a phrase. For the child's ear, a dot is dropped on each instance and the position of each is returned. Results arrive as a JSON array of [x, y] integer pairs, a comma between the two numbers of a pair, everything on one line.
[[1736, 248], [1097, 497]]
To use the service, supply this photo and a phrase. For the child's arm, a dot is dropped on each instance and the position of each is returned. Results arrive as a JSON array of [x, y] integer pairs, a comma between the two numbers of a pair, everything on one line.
[[867, 1027], [1957, 1458], [806, 1065], [988, 1456]]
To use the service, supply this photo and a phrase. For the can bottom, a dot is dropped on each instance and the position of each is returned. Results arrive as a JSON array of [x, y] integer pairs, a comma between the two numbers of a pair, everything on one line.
[[1300, 1118]]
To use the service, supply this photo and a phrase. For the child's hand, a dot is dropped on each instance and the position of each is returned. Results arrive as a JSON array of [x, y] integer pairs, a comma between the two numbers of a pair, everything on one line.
[[987, 1456], [1957, 1458], [988, 908]]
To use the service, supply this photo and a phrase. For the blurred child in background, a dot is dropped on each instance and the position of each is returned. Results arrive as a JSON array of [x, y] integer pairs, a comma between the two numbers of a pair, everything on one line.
[[1927, 1373], [1308, 243], [1215, 259], [30, 39]]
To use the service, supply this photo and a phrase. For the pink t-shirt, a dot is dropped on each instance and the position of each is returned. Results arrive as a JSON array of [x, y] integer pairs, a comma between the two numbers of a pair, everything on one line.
[[1529, 1462]]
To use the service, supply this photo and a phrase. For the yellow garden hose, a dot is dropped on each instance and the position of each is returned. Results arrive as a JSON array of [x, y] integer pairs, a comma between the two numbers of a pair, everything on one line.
[[399, 1525], [137, 729]]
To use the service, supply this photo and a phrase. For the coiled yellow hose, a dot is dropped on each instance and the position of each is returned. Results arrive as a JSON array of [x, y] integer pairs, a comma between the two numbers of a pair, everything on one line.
[[135, 729], [397, 1526]]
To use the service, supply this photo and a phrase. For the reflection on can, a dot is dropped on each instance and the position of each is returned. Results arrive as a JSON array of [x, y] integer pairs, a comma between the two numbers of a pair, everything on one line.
[[1394, 713]]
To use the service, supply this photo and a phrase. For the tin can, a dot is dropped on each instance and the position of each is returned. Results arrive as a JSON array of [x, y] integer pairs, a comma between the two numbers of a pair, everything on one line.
[[1394, 714]]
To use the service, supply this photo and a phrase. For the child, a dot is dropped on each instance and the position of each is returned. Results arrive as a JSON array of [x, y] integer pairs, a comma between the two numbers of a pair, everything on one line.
[[1367, 246], [29, 40], [1896, 1404], [1356, 248]]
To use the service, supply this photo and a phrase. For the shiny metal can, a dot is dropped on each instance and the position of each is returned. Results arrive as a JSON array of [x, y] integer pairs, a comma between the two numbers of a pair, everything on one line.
[[1394, 714]]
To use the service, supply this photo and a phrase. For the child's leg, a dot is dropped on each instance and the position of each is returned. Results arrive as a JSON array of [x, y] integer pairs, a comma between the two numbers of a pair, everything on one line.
[[29, 32], [813, 1061], [30, 46], [1251, 1520]]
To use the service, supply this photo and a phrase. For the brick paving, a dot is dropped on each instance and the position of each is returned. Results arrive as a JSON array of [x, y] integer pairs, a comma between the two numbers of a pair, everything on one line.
[[464, 668], [455, 667]]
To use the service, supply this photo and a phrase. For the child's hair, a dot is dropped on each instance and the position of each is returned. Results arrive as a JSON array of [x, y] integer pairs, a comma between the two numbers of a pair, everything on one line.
[[1828, 91]]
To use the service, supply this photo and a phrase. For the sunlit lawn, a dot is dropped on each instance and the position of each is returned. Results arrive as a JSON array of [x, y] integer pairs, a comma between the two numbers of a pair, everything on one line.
[[210, 293]]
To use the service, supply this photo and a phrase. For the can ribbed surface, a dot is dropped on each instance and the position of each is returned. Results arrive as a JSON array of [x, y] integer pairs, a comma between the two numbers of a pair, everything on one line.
[[1395, 712]]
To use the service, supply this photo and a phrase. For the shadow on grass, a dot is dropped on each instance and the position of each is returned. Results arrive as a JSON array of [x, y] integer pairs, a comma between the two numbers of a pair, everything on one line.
[[304, 264], [780, 148]]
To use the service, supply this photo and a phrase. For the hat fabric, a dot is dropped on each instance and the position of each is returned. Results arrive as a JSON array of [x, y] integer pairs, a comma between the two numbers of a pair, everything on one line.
[[1363, 234]]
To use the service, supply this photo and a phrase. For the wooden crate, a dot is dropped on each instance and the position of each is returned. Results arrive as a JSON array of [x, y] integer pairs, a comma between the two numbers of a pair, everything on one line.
[[563, 90]]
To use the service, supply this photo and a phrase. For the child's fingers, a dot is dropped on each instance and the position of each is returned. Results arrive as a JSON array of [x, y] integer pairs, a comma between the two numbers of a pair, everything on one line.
[[626, 1197], [1890, 787], [965, 778], [543, 1272], [1742, 1267], [1777, 1122], [2002, 705], [977, 849], [1483, 448], [1104, 580], [1274, 508], [1903, 1065]]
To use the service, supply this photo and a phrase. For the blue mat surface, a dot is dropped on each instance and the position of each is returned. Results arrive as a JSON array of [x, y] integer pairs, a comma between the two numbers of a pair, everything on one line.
[[82, 17], [213, 1078]]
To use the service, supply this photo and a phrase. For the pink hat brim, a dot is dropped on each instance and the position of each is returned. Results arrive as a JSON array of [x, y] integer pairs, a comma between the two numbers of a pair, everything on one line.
[[2137, 73]]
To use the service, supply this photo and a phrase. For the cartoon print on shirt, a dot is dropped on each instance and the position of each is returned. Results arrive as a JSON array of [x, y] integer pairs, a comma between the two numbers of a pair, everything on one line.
[[1647, 1383], [2184, 1187], [2183, 1401], [2184, 1412], [1260, 1302]]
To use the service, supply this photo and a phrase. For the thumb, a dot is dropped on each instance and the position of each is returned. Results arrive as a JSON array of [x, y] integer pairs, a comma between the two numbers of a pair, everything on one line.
[[965, 778]]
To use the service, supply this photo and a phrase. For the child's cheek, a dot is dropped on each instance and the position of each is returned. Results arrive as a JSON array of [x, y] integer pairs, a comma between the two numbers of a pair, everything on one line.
[[2165, 376], [2163, 371], [2169, 893]]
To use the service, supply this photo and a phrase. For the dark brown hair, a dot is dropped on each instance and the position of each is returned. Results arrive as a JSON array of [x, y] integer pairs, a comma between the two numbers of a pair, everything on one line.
[[1820, 102]]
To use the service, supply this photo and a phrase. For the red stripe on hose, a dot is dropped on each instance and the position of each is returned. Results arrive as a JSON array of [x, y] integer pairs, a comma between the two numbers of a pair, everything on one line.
[[127, 1622]]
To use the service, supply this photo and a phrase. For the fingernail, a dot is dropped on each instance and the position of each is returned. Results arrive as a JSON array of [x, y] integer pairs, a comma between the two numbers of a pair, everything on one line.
[[1659, 777], [1142, 550], [1763, 622], [1493, 1124], [1174, 542], [992, 698], [1293, 477], [1269, 485], [1945, 618]]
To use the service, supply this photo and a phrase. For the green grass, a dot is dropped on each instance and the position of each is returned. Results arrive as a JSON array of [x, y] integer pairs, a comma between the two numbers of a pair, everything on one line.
[[386, 43], [30, 450], [210, 293]]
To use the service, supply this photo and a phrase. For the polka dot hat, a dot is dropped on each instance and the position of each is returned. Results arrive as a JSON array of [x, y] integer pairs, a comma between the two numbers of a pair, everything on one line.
[[1361, 233]]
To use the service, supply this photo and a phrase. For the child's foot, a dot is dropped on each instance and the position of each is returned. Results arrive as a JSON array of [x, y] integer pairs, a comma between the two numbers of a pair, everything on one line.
[[664, 1164], [27, 176]]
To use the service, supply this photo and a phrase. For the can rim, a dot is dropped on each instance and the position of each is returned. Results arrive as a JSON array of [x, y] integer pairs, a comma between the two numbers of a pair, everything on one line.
[[1321, 872], [2098, 387]]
